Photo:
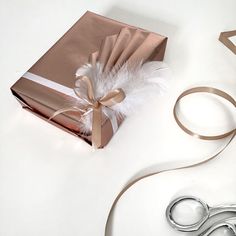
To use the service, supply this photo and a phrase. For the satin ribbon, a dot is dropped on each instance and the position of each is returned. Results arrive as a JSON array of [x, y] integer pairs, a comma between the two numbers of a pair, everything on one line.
[[95, 105], [231, 133]]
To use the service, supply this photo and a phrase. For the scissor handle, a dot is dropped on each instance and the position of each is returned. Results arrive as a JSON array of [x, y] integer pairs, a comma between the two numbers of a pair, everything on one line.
[[209, 212], [189, 227], [223, 223], [222, 209]]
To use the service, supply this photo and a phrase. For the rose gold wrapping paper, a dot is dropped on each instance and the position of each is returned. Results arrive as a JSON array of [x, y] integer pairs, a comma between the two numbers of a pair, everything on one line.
[[93, 38]]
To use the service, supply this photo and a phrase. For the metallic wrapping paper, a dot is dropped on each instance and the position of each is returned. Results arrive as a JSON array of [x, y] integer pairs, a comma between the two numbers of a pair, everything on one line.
[[80, 45]]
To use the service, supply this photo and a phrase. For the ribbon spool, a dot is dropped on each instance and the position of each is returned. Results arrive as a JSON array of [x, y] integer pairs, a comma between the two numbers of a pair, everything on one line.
[[231, 133]]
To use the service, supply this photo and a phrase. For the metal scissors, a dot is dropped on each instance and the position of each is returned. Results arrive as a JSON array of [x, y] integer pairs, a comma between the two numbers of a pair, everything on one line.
[[195, 213], [224, 227]]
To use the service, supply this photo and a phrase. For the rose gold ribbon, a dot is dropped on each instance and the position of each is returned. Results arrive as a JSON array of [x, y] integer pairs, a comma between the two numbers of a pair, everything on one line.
[[231, 133], [224, 38], [111, 98]]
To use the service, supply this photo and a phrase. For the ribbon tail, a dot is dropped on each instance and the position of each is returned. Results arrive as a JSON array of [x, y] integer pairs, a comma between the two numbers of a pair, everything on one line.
[[64, 110], [112, 117], [97, 127]]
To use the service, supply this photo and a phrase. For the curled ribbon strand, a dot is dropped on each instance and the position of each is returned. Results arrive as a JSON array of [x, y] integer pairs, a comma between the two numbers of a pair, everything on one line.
[[111, 98], [231, 133]]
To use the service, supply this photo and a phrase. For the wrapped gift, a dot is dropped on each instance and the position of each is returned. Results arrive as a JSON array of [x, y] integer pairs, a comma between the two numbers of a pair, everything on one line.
[[85, 83]]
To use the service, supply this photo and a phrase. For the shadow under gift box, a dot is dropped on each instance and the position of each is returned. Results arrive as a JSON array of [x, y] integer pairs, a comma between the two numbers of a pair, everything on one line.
[[92, 37]]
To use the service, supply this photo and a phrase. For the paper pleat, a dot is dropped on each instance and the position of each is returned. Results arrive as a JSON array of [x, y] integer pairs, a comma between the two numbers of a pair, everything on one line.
[[130, 46]]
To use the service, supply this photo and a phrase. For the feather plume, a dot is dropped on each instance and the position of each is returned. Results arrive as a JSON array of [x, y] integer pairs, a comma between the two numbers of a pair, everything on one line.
[[138, 82]]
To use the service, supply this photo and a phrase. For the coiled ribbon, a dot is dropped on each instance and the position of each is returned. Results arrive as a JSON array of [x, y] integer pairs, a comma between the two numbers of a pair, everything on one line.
[[231, 133]]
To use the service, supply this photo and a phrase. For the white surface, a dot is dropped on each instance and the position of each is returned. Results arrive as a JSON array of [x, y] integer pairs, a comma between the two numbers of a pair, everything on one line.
[[233, 39], [53, 184]]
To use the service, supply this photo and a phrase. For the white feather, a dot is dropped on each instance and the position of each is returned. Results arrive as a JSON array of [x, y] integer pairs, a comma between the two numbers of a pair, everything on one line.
[[138, 82]]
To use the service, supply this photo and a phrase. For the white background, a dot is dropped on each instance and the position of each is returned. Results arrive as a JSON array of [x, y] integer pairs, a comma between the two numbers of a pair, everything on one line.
[[53, 184]]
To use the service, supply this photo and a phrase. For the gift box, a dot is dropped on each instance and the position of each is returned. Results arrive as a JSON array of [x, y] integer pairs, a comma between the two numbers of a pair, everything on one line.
[[60, 87]]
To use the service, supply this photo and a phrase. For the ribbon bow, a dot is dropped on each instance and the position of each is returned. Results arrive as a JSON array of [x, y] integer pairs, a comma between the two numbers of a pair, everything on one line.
[[95, 104]]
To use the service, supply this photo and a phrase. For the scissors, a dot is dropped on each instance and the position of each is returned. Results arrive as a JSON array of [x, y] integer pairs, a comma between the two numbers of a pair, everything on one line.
[[226, 227], [199, 213]]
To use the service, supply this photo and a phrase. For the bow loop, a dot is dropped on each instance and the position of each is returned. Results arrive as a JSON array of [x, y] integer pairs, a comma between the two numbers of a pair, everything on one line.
[[84, 88], [113, 97], [85, 91]]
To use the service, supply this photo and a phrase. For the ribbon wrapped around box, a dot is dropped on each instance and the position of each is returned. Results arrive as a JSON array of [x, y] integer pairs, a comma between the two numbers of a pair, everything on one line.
[[61, 86]]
